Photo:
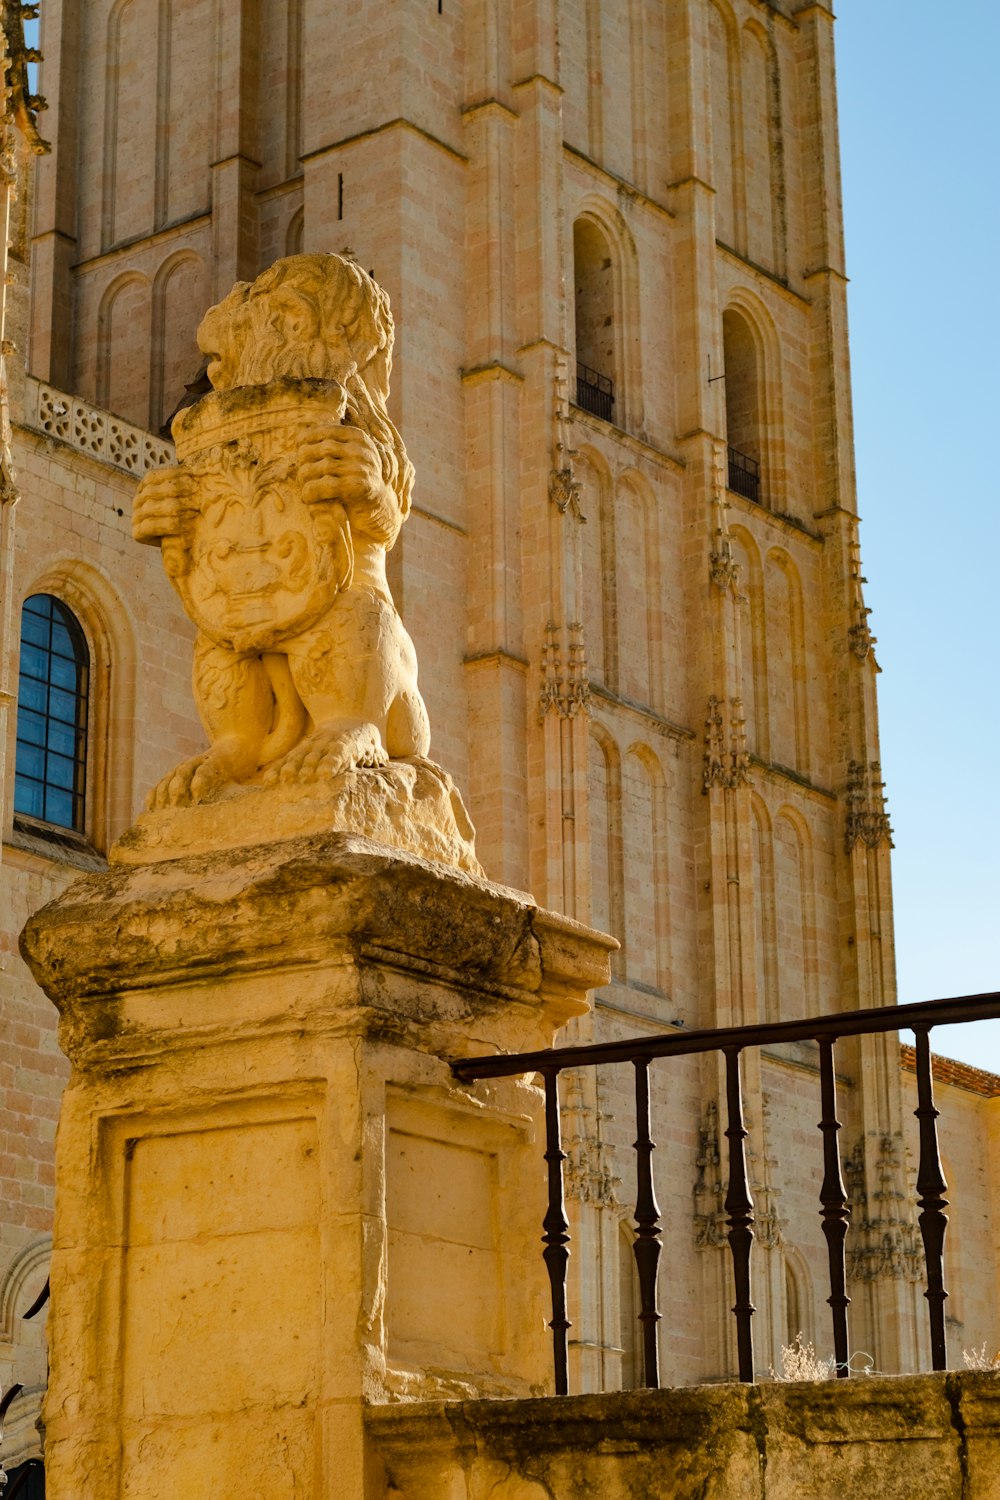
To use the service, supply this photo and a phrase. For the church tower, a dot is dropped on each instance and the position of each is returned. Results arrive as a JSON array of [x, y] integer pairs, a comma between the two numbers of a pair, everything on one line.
[[612, 237]]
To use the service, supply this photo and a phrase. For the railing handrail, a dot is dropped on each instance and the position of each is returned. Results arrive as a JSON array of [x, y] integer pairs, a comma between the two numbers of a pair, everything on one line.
[[835, 1208], [594, 378], [920, 1016]]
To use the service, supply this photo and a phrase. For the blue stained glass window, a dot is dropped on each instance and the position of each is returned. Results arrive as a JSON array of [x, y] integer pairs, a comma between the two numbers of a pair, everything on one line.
[[51, 768]]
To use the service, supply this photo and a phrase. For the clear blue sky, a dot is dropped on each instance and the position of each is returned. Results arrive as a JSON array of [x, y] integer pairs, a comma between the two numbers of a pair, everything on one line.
[[919, 148]]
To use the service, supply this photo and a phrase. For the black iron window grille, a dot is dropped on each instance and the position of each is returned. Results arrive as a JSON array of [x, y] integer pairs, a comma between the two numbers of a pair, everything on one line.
[[744, 475], [51, 765], [595, 393]]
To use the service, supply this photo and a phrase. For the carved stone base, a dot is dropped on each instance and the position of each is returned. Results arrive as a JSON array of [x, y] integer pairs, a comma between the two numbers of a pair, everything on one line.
[[275, 1204], [409, 805]]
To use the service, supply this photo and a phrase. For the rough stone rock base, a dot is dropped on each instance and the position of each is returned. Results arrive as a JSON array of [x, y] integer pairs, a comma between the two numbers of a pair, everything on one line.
[[922, 1437], [410, 805]]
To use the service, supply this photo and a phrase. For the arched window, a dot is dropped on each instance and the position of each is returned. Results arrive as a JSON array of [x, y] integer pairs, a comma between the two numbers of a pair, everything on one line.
[[743, 413], [596, 361], [51, 766]]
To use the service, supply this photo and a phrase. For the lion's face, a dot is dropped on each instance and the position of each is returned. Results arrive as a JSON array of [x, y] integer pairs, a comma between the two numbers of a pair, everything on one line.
[[257, 568]]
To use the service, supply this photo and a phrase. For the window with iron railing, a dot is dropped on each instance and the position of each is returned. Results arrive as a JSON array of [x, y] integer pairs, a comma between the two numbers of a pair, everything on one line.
[[595, 392], [744, 475]]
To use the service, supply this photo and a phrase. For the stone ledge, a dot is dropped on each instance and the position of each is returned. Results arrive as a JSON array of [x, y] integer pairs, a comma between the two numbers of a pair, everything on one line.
[[333, 905], [895, 1438]]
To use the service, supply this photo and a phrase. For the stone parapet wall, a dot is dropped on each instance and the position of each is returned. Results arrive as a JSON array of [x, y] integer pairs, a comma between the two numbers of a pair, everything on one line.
[[932, 1436], [95, 432]]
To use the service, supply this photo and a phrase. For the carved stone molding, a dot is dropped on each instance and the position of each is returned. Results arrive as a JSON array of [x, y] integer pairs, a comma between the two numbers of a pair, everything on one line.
[[867, 818], [726, 759], [884, 1242], [587, 1174], [565, 685]]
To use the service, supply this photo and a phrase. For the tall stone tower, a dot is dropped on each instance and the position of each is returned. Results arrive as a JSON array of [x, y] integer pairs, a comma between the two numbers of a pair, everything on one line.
[[612, 238]]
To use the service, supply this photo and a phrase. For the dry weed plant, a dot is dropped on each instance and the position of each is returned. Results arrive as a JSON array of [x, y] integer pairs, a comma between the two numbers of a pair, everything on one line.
[[799, 1361], [978, 1359]]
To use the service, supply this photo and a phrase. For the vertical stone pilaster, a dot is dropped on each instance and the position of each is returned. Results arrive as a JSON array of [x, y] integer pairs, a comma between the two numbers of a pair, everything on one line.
[[236, 162]]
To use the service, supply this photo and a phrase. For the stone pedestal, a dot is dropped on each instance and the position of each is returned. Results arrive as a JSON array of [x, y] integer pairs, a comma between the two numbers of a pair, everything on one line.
[[274, 1203]]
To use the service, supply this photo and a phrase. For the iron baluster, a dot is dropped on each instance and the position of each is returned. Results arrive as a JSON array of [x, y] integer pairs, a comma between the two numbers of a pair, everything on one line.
[[33, 1466], [595, 392], [744, 475], [827, 1030], [931, 1201], [647, 1226], [836, 1210], [39, 1302], [556, 1236], [739, 1211]]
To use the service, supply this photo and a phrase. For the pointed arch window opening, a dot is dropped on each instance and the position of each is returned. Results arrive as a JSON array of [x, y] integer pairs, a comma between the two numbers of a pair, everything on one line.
[[744, 393], [50, 780], [596, 320]]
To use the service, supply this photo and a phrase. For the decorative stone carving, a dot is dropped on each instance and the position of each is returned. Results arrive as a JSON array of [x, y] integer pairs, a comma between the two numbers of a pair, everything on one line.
[[93, 431], [740, 774], [768, 1224], [587, 1174], [884, 1241], [711, 1224], [859, 636], [564, 492], [564, 691], [867, 820], [715, 773], [564, 487], [726, 766], [709, 1189], [18, 117], [291, 486], [21, 106], [724, 570]]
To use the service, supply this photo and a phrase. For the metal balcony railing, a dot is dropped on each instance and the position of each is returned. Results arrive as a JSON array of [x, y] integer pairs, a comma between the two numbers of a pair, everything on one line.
[[835, 1212], [744, 475], [595, 393]]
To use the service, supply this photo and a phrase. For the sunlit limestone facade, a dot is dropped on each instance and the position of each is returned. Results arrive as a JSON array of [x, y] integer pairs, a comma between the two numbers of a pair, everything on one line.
[[612, 239]]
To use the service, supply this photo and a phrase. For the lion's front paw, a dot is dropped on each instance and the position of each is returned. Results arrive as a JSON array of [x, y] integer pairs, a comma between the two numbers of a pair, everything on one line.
[[195, 780], [327, 753]]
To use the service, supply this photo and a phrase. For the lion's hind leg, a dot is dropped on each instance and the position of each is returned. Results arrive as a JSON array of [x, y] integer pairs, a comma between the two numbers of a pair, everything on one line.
[[408, 729]]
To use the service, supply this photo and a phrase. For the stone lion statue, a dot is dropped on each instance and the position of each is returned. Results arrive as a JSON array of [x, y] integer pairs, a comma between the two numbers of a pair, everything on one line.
[[291, 486]]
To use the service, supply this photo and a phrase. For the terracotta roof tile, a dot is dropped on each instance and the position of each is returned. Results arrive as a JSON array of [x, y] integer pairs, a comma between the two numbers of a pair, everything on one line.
[[946, 1070]]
